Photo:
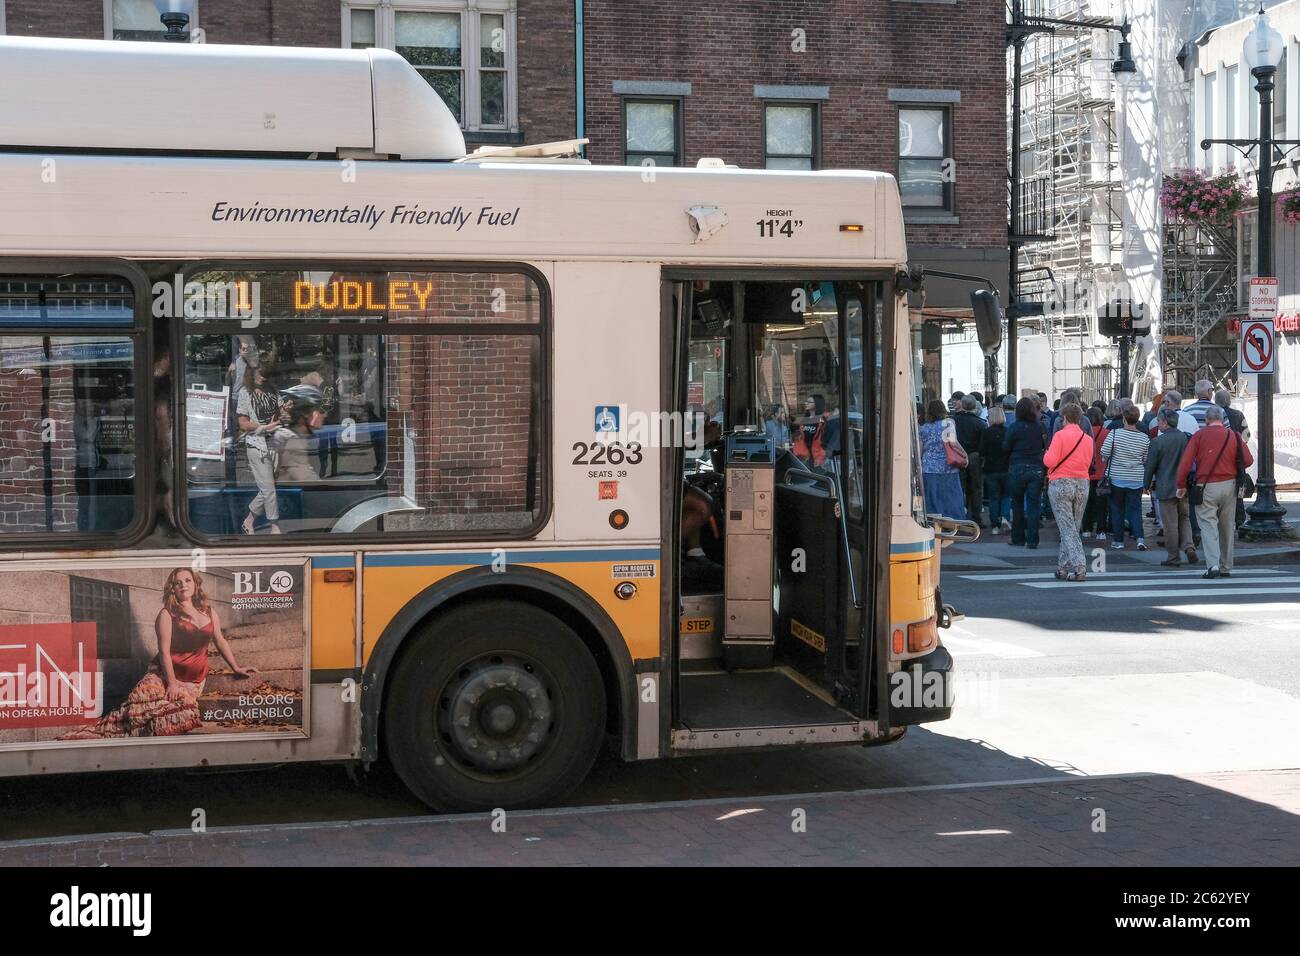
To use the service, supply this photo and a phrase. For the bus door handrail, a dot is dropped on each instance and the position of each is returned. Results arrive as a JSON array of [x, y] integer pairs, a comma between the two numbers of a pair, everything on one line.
[[953, 530], [842, 504], [837, 493]]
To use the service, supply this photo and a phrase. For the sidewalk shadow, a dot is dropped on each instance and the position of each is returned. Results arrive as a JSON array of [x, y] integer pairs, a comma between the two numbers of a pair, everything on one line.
[[145, 800]]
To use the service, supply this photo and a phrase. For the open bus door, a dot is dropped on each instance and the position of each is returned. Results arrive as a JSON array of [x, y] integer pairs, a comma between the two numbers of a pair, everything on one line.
[[865, 480], [814, 676]]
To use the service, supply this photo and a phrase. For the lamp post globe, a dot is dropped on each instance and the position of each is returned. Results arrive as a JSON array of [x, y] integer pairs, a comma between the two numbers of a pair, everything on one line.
[[1263, 47], [175, 16]]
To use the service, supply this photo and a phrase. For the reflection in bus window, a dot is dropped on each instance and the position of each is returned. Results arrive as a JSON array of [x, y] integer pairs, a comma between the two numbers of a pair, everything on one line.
[[67, 405], [797, 371], [67, 445], [315, 430]]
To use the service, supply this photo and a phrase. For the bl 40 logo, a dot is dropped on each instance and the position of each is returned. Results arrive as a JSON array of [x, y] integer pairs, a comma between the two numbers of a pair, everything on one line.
[[250, 582]]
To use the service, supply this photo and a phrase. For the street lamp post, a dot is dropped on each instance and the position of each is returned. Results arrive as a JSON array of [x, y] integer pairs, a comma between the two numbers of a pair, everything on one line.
[[1262, 52]]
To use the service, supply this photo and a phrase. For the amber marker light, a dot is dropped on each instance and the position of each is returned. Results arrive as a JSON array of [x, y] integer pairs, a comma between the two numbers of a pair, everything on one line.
[[922, 635], [850, 227]]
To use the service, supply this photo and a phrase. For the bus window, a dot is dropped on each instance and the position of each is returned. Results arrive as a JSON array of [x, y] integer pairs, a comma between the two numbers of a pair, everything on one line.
[[67, 405], [326, 415]]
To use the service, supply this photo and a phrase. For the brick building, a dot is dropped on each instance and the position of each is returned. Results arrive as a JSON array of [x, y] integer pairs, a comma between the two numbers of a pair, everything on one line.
[[913, 87]]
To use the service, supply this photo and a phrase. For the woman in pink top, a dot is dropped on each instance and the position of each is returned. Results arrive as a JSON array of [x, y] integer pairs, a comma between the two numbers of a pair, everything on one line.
[[1067, 460]]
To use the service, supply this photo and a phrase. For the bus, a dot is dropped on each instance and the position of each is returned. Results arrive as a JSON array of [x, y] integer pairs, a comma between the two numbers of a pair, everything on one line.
[[325, 441]]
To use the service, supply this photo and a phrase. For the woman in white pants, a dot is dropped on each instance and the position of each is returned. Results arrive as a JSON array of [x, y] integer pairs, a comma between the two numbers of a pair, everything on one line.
[[1068, 460], [257, 408]]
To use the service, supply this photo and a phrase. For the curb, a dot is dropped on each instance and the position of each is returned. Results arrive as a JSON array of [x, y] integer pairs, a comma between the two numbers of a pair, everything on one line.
[[1277, 557]]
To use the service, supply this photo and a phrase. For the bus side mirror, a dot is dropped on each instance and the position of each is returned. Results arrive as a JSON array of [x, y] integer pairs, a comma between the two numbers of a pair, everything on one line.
[[988, 319]]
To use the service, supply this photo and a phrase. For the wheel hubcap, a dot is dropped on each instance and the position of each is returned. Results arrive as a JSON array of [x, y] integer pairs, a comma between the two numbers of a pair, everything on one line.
[[496, 713]]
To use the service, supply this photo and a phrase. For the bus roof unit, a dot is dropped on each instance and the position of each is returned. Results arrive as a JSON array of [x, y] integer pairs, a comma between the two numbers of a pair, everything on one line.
[[210, 98]]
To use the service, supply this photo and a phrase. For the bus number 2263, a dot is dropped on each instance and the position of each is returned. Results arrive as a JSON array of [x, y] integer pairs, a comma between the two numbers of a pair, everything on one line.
[[607, 454]]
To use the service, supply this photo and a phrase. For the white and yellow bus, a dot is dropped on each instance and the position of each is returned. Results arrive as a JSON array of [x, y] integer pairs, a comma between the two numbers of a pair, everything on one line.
[[323, 441]]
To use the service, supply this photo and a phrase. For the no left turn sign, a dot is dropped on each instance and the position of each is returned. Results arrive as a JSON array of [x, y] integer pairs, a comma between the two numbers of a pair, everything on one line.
[[1255, 350]]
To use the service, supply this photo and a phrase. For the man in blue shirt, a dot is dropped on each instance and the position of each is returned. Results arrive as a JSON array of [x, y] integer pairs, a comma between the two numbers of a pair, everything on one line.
[[1204, 402]]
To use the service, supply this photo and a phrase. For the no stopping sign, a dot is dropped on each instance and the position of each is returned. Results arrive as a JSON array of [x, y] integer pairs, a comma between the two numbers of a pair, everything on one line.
[[1255, 349]]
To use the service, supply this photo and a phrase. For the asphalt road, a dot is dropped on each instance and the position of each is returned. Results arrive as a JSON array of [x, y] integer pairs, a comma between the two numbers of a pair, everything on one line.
[[1138, 669]]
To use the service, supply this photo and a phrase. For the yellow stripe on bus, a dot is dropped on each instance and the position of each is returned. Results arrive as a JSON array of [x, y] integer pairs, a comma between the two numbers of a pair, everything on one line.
[[387, 590]]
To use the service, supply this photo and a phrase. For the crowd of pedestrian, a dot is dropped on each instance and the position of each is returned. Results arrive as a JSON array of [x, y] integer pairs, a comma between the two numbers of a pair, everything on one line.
[[1089, 469]]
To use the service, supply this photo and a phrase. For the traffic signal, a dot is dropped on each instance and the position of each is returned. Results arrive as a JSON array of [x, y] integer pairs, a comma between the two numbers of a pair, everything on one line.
[[988, 319], [1120, 317]]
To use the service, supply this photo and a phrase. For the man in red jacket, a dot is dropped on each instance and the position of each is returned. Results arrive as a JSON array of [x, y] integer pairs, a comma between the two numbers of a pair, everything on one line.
[[1217, 452]]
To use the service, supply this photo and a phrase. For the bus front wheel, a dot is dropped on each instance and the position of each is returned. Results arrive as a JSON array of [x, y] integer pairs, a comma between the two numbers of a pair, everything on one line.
[[495, 704]]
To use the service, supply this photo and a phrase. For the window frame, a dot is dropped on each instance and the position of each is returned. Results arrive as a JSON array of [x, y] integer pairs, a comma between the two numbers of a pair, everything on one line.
[[541, 411], [679, 125], [949, 207], [470, 12], [816, 156], [108, 20], [140, 333]]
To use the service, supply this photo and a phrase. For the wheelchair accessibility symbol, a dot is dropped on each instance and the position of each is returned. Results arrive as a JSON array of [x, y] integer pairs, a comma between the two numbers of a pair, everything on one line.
[[607, 419]]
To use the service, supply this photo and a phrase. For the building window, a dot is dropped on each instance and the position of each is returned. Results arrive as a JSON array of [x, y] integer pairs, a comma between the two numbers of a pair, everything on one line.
[[790, 136], [652, 134], [1279, 98], [925, 157], [1230, 101], [1211, 88], [1247, 227], [361, 27], [136, 20], [464, 50]]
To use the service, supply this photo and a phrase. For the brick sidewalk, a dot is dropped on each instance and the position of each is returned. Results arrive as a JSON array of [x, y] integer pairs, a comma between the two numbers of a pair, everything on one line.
[[1229, 819]]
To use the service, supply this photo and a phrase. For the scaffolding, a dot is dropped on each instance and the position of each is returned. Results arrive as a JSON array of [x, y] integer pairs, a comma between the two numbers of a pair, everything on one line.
[[1200, 289], [1071, 204]]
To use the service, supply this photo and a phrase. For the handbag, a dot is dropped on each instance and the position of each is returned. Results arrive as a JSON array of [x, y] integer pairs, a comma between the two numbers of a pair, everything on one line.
[[1103, 486], [1245, 483], [957, 457], [1196, 490]]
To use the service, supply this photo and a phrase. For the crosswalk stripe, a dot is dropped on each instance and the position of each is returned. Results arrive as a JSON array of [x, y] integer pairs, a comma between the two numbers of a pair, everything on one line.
[[974, 645], [1142, 582], [1275, 607], [1150, 572], [1207, 590]]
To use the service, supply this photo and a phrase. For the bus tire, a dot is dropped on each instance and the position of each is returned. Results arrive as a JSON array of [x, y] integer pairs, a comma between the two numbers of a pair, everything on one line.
[[494, 704]]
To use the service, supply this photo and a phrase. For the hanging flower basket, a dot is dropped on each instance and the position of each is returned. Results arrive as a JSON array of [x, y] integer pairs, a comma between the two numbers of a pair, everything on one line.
[[1288, 205], [1189, 195]]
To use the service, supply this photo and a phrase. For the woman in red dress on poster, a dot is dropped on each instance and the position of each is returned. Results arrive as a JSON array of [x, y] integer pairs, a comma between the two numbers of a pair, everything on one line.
[[165, 701]]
